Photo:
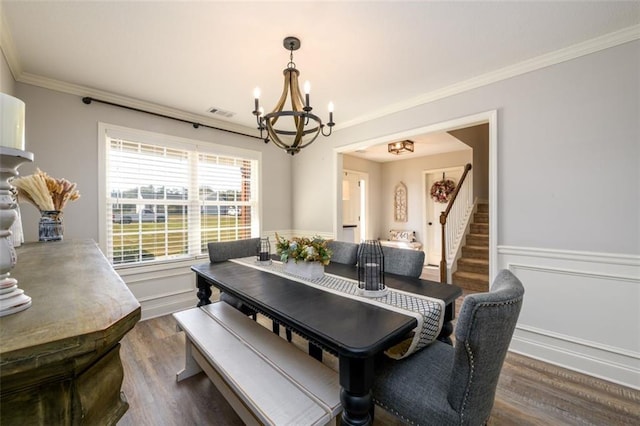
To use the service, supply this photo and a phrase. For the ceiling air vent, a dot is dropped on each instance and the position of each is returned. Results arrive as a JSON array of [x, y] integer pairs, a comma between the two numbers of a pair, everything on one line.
[[221, 112]]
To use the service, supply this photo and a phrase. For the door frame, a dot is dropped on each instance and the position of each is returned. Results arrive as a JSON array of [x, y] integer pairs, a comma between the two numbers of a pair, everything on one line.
[[490, 117]]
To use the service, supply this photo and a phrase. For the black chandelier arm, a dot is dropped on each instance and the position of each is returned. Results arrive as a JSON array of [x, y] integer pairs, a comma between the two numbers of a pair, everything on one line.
[[330, 126]]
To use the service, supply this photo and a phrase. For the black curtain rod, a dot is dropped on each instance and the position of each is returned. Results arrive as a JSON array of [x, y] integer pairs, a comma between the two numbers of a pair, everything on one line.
[[87, 100]]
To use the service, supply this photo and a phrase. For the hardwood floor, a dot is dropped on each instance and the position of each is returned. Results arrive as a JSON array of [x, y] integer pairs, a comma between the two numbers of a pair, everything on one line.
[[529, 392]]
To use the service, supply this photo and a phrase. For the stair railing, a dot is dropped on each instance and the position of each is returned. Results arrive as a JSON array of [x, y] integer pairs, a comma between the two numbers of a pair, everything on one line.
[[455, 216]]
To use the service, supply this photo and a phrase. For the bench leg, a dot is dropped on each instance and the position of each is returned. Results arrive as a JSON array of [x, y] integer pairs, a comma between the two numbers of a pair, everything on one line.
[[191, 367]]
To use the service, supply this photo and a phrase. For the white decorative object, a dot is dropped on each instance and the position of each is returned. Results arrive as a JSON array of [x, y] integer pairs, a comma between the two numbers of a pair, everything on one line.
[[13, 299], [11, 122], [400, 203], [308, 270]]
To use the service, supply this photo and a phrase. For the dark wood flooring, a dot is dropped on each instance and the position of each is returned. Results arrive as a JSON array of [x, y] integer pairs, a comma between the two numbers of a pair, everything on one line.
[[529, 392]]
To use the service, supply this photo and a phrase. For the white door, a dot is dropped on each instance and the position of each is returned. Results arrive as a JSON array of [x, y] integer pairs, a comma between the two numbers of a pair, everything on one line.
[[434, 230], [352, 206], [433, 209]]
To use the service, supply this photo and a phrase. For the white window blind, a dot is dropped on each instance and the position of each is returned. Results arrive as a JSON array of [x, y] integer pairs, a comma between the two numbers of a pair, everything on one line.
[[167, 201]]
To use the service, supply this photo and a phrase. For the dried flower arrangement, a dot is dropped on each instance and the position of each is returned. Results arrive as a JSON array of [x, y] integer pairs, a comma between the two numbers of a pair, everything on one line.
[[303, 249], [45, 192]]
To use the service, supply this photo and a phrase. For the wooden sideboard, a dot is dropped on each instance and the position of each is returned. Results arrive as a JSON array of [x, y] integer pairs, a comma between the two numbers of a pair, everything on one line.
[[59, 359]]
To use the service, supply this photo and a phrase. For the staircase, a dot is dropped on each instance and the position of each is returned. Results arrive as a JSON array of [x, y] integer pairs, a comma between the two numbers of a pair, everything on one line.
[[472, 273]]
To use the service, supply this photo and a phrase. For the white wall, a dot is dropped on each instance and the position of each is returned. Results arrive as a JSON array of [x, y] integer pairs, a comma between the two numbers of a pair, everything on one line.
[[7, 83], [568, 178], [410, 171]]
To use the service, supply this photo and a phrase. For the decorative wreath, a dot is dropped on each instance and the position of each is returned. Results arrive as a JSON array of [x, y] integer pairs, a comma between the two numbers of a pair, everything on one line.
[[441, 190]]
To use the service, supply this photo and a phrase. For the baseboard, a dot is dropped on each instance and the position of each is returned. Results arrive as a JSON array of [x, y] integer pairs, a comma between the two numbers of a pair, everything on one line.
[[608, 364], [580, 310]]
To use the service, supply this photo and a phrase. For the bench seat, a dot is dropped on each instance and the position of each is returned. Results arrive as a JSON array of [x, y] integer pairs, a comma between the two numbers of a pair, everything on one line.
[[265, 379]]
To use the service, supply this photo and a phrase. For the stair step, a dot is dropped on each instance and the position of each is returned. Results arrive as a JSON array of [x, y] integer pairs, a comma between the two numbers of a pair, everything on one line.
[[478, 240], [475, 252], [483, 208], [471, 281], [479, 266], [481, 218], [480, 228]]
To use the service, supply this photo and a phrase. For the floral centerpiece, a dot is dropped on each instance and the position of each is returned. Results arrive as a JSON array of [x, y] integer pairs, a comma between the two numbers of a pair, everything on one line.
[[50, 196], [309, 255]]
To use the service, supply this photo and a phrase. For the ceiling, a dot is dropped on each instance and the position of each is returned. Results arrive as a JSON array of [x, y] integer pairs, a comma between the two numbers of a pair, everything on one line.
[[369, 58]]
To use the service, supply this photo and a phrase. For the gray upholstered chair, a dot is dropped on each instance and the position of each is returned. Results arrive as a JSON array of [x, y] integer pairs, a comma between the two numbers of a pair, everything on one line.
[[403, 261], [343, 252], [225, 250], [444, 385]]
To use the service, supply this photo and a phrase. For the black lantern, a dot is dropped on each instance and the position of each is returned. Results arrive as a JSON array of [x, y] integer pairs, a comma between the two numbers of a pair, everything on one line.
[[264, 250], [371, 269]]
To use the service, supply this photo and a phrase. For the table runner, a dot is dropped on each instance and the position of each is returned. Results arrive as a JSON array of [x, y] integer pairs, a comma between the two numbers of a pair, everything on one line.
[[428, 311]]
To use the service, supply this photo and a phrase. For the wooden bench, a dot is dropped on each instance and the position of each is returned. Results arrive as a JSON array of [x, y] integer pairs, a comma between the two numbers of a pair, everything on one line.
[[263, 377]]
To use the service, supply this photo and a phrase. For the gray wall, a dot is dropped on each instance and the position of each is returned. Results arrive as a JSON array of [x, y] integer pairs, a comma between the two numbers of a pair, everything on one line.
[[568, 201], [568, 153], [62, 132], [477, 137]]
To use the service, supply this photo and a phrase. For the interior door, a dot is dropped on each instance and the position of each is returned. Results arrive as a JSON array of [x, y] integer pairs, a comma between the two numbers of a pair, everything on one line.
[[434, 231], [351, 203]]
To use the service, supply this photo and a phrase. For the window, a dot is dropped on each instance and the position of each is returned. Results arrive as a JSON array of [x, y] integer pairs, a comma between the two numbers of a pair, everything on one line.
[[165, 198]]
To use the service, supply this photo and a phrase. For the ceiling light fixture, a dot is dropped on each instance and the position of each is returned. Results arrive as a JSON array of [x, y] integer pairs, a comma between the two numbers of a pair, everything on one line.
[[401, 147], [303, 127]]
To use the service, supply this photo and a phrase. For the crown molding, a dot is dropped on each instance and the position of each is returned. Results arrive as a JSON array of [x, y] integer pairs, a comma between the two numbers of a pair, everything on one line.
[[82, 91], [597, 44]]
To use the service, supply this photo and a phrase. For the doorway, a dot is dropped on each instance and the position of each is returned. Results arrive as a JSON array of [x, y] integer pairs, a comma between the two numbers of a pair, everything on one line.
[[354, 205], [488, 117]]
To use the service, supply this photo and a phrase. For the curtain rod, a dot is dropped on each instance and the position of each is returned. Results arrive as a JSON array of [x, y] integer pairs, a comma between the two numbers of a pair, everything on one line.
[[87, 100]]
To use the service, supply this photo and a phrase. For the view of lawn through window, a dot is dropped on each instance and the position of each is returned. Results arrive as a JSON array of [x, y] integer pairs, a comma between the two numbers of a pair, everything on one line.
[[166, 203]]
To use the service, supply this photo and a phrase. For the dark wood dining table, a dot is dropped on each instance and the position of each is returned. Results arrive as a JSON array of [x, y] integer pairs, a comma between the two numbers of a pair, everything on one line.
[[354, 331]]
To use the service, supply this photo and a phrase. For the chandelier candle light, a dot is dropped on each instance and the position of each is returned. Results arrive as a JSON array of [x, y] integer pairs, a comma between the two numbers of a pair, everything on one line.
[[304, 126]]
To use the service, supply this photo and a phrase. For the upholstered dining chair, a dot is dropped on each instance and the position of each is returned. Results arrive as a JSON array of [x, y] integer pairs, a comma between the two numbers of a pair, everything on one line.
[[343, 252], [224, 250], [444, 385], [408, 263]]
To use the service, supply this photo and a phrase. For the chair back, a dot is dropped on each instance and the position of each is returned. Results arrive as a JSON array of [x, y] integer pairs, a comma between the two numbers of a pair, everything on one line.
[[485, 326], [225, 250], [343, 252], [405, 262]]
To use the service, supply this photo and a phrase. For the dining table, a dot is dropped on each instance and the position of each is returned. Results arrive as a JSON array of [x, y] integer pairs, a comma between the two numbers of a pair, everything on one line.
[[354, 331]]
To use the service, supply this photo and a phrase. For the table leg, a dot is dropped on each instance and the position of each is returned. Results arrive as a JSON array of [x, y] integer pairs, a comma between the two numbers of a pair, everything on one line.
[[204, 292], [447, 326], [356, 380]]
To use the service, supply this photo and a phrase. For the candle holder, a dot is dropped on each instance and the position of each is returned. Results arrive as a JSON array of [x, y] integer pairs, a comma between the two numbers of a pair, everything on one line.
[[12, 299], [264, 252], [371, 269]]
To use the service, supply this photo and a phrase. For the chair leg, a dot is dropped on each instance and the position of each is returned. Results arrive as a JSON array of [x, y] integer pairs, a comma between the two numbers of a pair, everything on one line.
[[276, 328], [288, 331]]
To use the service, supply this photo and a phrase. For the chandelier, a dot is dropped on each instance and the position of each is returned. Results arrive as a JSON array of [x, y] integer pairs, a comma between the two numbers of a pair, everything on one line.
[[401, 147], [298, 127]]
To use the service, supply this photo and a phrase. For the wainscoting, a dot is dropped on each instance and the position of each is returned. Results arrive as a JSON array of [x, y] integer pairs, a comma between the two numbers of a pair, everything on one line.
[[581, 310]]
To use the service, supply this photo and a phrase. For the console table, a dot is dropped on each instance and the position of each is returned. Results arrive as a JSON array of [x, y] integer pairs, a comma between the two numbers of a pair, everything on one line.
[[59, 359]]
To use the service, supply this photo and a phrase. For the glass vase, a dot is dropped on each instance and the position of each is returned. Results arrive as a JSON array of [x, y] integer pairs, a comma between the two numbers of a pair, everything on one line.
[[51, 227]]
